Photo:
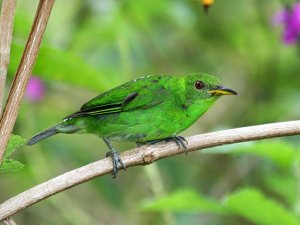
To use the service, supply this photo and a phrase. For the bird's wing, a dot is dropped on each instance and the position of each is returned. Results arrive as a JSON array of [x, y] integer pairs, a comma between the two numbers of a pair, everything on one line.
[[141, 93]]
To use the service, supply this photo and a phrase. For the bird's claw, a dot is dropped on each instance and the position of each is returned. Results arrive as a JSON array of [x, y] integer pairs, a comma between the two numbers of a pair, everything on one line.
[[179, 140], [115, 160]]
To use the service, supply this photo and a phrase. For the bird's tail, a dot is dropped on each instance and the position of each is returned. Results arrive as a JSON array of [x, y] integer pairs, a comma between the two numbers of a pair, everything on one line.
[[59, 128]]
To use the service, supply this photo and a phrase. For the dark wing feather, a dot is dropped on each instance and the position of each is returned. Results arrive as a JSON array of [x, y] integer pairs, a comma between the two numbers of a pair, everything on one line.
[[140, 93], [96, 111], [104, 109]]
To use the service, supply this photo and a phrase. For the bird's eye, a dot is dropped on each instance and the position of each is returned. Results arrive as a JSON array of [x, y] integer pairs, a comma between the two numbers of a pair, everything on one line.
[[199, 84]]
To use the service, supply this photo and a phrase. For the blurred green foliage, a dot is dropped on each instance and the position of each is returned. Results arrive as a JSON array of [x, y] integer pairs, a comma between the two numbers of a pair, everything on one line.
[[54, 64], [10, 165], [247, 203], [91, 46], [187, 201]]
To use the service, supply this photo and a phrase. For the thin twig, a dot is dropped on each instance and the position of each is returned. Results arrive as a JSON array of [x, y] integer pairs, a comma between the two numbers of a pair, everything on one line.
[[142, 156], [23, 73], [6, 29]]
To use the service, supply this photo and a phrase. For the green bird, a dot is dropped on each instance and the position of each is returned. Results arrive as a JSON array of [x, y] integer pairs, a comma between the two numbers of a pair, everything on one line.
[[145, 110]]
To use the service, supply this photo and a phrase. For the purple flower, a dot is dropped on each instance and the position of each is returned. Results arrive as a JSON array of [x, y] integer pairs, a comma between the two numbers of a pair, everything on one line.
[[35, 89], [290, 18]]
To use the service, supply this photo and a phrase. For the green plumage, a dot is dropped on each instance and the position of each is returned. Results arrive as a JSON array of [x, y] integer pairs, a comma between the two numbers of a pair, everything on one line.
[[145, 109]]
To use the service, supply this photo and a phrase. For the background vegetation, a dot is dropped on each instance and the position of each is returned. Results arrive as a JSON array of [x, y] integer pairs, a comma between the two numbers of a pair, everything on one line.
[[92, 46]]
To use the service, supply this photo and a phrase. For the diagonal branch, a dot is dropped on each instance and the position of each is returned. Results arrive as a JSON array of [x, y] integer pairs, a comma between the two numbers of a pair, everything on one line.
[[142, 156], [23, 73], [6, 28]]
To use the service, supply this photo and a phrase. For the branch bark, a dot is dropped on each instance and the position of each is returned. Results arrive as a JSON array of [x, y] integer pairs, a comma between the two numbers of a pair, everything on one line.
[[142, 156], [6, 28], [23, 73]]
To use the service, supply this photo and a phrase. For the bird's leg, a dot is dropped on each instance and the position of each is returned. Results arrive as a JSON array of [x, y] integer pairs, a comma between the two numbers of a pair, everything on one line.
[[115, 158], [179, 140]]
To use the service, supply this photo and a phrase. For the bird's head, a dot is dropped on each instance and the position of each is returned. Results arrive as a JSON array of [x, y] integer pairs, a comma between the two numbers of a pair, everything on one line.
[[204, 88]]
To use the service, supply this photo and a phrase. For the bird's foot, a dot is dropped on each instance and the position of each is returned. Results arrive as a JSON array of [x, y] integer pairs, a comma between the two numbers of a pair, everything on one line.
[[117, 162], [180, 141]]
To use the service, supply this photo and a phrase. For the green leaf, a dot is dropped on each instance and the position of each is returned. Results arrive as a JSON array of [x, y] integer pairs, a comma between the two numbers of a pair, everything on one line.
[[54, 64], [254, 206], [183, 201], [280, 183], [14, 142], [9, 165], [280, 152]]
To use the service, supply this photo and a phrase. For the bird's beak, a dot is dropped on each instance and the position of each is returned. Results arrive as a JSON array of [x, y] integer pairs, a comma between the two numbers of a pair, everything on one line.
[[219, 90]]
